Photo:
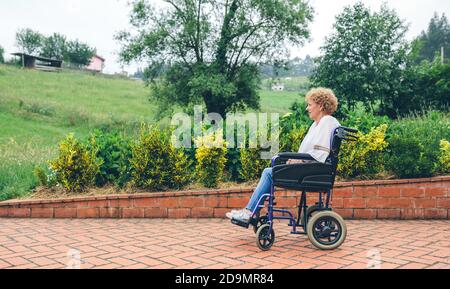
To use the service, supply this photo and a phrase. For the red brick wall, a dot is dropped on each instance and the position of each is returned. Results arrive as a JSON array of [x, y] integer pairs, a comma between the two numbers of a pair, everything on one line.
[[394, 199]]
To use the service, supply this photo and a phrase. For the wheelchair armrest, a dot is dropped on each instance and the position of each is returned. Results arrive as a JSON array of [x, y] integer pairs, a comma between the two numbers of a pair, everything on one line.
[[296, 156], [283, 157]]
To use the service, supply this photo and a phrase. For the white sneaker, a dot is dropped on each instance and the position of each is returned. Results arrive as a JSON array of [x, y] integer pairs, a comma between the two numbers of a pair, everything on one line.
[[242, 216], [233, 212]]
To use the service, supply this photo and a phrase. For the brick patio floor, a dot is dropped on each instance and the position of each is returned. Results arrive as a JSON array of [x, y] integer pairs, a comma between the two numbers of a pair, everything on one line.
[[215, 243]]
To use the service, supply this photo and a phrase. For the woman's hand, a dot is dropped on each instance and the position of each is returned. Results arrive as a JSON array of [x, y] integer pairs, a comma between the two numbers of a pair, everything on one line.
[[293, 161]]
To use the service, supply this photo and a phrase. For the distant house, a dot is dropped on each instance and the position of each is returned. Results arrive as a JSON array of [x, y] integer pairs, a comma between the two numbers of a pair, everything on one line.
[[278, 87], [97, 64]]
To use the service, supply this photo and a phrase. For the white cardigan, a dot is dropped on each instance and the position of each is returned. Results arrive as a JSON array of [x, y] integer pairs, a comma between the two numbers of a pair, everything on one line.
[[317, 141]]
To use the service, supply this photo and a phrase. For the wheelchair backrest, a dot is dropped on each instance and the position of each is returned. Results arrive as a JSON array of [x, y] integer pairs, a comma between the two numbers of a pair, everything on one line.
[[339, 134]]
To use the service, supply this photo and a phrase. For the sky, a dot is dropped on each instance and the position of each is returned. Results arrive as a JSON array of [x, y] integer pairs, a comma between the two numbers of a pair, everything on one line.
[[95, 22]]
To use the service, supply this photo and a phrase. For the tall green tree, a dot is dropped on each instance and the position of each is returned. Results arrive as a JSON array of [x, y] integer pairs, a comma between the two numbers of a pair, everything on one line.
[[54, 46], [29, 41], [363, 59], [2, 51], [79, 53], [436, 36], [211, 48]]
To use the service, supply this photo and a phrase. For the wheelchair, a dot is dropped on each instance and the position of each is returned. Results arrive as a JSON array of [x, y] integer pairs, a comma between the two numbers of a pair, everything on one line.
[[325, 229]]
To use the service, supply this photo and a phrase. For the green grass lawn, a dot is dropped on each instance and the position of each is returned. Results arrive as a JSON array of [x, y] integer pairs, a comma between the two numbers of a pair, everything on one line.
[[38, 109]]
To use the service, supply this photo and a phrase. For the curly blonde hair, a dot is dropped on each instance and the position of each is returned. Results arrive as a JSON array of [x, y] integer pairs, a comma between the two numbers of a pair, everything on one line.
[[325, 98]]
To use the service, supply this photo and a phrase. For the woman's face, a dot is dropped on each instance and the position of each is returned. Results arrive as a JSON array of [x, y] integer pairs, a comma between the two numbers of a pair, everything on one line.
[[314, 110]]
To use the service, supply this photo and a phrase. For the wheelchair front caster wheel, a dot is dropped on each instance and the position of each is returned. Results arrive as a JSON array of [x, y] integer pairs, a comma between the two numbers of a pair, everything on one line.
[[327, 230], [259, 222], [264, 238]]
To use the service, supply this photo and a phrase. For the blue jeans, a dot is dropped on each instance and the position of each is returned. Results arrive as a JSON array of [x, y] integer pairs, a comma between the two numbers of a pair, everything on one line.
[[263, 187]]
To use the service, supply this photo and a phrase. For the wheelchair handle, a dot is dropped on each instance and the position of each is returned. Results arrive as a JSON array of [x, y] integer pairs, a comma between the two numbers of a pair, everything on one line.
[[346, 133], [349, 129]]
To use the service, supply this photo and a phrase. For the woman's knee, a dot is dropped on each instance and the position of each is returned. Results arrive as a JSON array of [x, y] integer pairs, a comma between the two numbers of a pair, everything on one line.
[[267, 171]]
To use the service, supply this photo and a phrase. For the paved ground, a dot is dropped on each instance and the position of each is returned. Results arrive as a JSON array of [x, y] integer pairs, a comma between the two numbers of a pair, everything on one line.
[[213, 243]]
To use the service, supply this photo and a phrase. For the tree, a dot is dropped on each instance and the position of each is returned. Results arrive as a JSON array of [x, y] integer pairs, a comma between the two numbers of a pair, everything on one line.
[[425, 86], [363, 60], [29, 41], [54, 46], [437, 36], [2, 59], [79, 53], [211, 48]]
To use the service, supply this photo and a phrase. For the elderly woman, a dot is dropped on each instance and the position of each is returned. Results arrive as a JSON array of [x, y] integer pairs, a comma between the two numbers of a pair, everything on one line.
[[322, 103]]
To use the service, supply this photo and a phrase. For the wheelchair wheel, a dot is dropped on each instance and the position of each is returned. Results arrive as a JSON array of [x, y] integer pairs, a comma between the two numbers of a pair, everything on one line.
[[312, 210], [327, 230], [264, 238], [259, 222]]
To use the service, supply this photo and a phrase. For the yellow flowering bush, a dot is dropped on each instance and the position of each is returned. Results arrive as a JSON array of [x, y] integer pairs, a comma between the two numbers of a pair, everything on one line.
[[76, 166], [290, 141], [156, 164], [211, 160], [443, 163], [363, 157], [252, 164]]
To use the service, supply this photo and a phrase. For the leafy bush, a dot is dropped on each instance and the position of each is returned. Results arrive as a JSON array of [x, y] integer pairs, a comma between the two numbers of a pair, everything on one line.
[[407, 158], [156, 164], [47, 178], [363, 121], [252, 164], [422, 132], [296, 118], [211, 160], [76, 165], [363, 157], [115, 151], [290, 142], [293, 127], [443, 163], [233, 165]]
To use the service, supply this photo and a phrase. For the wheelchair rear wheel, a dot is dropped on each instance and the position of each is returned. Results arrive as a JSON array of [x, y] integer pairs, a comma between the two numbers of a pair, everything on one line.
[[312, 210], [264, 238], [327, 230]]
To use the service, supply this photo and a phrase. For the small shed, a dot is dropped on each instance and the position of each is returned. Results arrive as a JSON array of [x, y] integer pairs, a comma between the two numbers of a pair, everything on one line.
[[39, 63], [97, 64]]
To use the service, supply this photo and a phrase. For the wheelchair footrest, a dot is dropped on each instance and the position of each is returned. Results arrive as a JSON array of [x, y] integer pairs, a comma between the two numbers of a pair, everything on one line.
[[240, 223]]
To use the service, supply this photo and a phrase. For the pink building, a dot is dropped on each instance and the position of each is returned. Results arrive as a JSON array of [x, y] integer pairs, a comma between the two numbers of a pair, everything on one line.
[[97, 64]]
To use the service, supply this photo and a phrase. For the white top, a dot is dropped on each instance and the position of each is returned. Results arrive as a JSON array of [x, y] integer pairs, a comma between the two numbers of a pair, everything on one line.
[[317, 141]]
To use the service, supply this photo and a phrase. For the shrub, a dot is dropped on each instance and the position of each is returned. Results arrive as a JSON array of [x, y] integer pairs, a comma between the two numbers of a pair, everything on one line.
[[47, 178], [423, 133], [363, 121], [210, 156], [252, 164], [363, 157], [293, 127], [296, 118], [233, 165], [156, 164], [76, 166], [429, 127], [407, 158], [290, 141], [115, 152], [443, 163]]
